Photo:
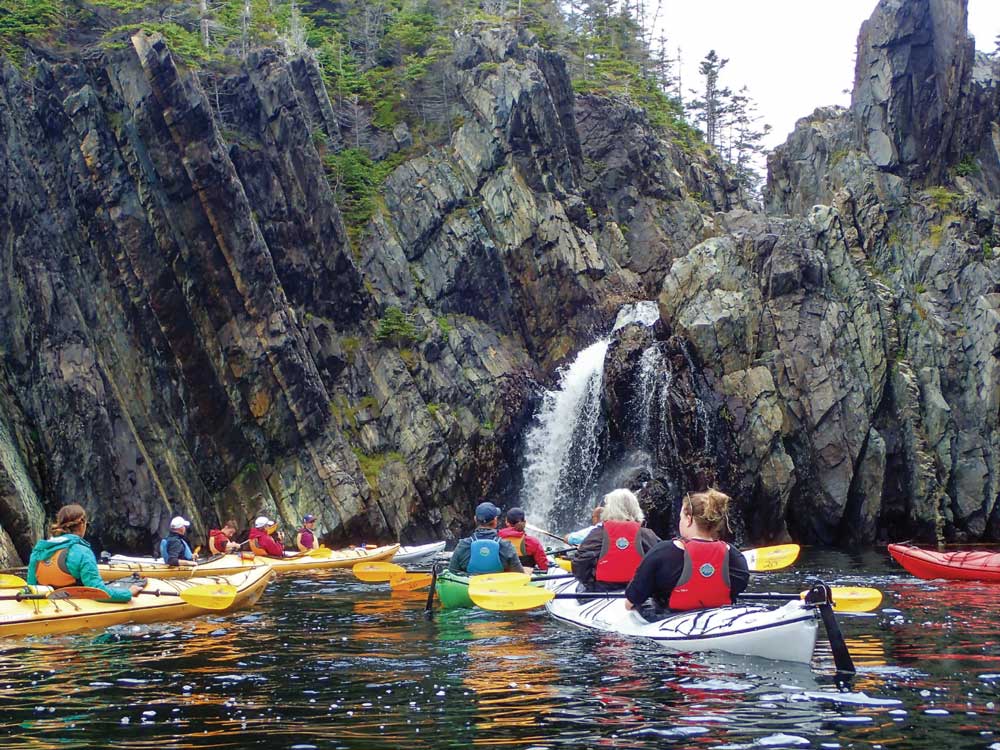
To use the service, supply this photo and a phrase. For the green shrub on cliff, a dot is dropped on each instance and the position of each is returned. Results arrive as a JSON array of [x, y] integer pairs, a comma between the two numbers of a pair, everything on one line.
[[356, 181], [26, 19], [397, 327]]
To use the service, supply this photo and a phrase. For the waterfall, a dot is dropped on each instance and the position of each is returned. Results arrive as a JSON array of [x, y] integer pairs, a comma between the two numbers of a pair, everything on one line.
[[650, 365], [561, 447]]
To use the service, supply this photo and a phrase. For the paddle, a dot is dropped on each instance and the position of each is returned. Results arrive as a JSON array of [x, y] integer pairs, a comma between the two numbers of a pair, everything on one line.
[[410, 581], [203, 596], [11, 581], [512, 598], [549, 534], [777, 557], [758, 560], [377, 572]]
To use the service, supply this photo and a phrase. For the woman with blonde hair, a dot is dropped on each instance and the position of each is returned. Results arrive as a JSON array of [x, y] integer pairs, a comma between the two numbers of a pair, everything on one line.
[[67, 560], [695, 570], [607, 559]]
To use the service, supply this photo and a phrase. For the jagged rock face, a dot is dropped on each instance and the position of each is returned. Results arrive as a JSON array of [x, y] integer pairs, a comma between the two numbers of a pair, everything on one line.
[[662, 407], [495, 227], [651, 190], [788, 326], [186, 328], [922, 113], [910, 104]]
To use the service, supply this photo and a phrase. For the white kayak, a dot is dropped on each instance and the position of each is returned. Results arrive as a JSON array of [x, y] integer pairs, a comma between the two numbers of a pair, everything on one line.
[[408, 555], [787, 633]]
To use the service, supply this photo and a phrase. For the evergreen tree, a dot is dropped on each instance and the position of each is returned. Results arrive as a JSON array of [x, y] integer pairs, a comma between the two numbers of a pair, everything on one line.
[[746, 143], [711, 108]]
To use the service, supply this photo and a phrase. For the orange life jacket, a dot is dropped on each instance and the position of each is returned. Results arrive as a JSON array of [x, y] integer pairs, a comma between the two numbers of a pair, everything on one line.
[[53, 572], [704, 581], [620, 556]]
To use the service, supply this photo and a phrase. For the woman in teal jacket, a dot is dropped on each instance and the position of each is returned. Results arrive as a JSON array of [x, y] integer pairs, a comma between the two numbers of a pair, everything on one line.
[[67, 560]]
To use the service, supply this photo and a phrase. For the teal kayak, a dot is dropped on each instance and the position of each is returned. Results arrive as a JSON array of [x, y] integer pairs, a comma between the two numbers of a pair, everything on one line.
[[453, 590]]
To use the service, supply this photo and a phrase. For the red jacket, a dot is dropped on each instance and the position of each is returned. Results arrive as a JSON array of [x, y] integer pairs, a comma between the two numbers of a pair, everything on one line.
[[704, 581], [260, 540], [529, 549], [620, 554]]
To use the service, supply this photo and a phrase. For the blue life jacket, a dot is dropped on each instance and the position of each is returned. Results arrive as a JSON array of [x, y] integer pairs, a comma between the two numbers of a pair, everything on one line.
[[484, 557], [163, 550]]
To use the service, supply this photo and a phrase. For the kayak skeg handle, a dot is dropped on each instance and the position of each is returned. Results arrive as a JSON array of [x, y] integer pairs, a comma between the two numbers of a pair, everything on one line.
[[820, 593]]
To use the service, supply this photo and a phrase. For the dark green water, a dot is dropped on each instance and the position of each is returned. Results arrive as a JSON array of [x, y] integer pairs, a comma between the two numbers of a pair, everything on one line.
[[327, 662]]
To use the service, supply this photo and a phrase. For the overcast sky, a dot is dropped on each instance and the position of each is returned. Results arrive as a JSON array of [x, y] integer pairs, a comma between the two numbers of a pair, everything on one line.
[[793, 55]]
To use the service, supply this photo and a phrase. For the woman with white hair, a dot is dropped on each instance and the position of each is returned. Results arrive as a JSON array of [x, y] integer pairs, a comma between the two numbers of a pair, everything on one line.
[[608, 558]]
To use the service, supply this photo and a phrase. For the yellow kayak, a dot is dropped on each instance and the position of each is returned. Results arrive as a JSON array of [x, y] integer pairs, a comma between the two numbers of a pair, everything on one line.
[[222, 565], [47, 616]]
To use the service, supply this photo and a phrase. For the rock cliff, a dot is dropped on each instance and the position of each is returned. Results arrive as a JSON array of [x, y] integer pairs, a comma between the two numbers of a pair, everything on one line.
[[857, 336], [188, 326]]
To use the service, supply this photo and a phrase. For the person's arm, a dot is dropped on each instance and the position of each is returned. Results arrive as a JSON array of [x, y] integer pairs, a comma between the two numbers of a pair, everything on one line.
[[32, 578], [459, 562], [739, 572], [537, 551], [640, 588], [272, 546], [83, 566], [211, 545], [508, 556], [647, 540], [174, 551], [585, 558], [299, 544]]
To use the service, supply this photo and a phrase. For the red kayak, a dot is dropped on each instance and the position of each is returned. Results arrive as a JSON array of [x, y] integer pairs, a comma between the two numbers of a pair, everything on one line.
[[974, 565]]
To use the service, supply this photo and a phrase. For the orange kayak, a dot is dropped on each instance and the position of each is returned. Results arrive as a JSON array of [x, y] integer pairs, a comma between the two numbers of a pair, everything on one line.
[[970, 565]]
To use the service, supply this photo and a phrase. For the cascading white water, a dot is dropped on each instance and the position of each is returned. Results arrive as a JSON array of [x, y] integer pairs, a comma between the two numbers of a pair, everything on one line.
[[561, 448], [650, 366], [567, 416]]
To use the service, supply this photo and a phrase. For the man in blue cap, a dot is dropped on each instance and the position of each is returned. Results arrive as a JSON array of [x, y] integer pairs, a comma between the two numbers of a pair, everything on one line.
[[485, 551]]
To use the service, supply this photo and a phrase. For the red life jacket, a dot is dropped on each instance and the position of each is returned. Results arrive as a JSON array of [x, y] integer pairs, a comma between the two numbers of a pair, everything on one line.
[[52, 572], [620, 556], [704, 581]]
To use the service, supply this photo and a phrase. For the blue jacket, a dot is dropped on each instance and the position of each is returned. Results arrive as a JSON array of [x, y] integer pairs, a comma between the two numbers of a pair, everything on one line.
[[459, 562], [175, 547], [79, 562]]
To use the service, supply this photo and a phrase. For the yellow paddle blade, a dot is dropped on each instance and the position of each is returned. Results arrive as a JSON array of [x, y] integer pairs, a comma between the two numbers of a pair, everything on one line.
[[210, 595], [855, 598], [486, 580], [771, 558], [319, 552], [410, 581], [512, 599], [8, 581], [377, 572], [565, 564]]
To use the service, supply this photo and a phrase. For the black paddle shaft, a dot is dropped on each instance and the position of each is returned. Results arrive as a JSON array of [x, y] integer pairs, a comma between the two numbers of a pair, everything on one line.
[[822, 597], [429, 606]]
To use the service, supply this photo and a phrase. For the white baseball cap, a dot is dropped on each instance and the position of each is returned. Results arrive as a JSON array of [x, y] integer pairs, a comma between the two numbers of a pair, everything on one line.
[[179, 522], [262, 522]]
